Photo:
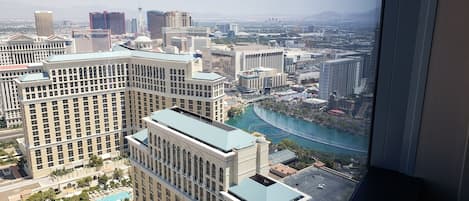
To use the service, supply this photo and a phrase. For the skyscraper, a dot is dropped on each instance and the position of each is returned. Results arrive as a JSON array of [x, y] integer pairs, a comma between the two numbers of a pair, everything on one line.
[[340, 76], [44, 23], [98, 20], [177, 19], [156, 21], [131, 25], [114, 21]]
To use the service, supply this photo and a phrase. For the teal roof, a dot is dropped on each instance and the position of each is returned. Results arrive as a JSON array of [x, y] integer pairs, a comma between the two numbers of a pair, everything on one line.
[[217, 135], [34, 77], [88, 56], [251, 190], [141, 136], [283, 156], [119, 54], [205, 76]]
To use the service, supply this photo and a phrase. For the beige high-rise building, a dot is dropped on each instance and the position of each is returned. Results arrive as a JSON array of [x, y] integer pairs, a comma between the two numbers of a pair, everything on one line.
[[183, 156], [84, 104], [177, 19], [44, 23]]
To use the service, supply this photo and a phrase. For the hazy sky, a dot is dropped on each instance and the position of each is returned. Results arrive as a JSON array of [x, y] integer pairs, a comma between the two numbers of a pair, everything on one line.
[[78, 9]]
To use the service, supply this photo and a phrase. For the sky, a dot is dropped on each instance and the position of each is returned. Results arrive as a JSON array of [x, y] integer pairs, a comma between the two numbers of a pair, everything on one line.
[[78, 9]]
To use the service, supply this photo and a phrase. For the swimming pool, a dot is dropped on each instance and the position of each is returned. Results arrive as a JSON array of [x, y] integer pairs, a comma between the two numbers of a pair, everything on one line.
[[116, 197]]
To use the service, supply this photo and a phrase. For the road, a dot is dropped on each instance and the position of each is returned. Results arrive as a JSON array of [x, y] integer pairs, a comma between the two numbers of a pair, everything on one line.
[[11, 134]]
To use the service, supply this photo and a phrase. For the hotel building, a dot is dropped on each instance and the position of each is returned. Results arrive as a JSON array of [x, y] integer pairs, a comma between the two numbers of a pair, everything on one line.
[[19, 54], [84, 104], [21, 49], [230, 62], [339, 76], [9, 103], [184, 156], [170, 32], [261, 80], [44, 23]]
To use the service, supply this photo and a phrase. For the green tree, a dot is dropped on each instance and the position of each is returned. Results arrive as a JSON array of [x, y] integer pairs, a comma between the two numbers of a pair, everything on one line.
[[103, 179], [48, 195], [84, 182], [117, 174], [95, 161], [3, 123]]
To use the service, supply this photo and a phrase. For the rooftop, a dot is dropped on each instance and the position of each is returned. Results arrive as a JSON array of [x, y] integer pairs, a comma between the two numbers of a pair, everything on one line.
[[282, 170], [14, 67], [283, 156], [259, 188], [121, 53], [314, 101], [220, 136], [340, 60], [335, 188], [205, 76], [34, 77], [142, 136]]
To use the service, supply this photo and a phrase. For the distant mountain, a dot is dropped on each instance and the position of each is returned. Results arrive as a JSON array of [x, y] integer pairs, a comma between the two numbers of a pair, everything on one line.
[[370, 17]]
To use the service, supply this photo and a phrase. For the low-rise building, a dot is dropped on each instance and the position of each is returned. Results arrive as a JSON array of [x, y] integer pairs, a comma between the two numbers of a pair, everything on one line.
[[282, 170], [170, 32], [284, 157], [261, 80], [231, 61], [315, 103]]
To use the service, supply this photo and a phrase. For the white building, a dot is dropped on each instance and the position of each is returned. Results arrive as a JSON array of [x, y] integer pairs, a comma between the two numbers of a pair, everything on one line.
[[340, 76], [296, 59], [261, 80], [231, 61], [234, 28], [315, 103], [169, 32], [91, 40], [9, 103], [22, 49], [143, 43], [199, 43], [182, 156], [181, 43]]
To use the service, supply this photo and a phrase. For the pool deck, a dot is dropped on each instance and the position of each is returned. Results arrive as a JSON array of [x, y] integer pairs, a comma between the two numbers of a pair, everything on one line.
[[103, 194]]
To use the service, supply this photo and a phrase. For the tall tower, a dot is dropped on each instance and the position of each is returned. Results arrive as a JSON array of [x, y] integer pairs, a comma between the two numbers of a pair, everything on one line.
[[141, 23], [44, 23], [155, 23]]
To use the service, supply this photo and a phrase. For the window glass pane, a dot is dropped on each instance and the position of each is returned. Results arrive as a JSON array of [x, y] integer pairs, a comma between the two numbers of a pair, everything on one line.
[[260, 92]]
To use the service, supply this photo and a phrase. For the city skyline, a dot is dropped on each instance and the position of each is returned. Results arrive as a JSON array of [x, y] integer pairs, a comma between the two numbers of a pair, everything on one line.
[[78, 11]]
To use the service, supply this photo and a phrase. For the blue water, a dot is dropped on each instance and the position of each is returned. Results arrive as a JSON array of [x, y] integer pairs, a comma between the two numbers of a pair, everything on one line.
[[277, 126], [115, 197]]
